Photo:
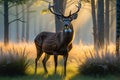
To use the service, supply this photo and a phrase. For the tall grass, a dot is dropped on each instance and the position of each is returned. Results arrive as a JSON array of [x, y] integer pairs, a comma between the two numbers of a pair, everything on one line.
[[13, 62], [81, 56], [100, 63]]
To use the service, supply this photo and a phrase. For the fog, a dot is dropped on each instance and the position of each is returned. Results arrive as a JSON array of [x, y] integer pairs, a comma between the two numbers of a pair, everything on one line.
[[45, 22]]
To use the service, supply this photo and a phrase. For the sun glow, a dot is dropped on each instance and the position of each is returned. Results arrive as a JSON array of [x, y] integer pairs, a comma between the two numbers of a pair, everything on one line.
[[38, 3]]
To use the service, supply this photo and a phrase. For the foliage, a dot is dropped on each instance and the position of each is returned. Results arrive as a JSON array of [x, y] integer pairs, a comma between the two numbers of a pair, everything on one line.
[[44, 11], [13, 62], [17, 1], [101, 64]]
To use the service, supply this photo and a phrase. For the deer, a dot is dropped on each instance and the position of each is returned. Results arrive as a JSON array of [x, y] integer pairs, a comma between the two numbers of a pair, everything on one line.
[[56, 43]]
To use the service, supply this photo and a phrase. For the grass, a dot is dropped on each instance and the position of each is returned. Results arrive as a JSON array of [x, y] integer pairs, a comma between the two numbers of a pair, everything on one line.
[[57, 77], [13, 62], [100, 63], [76, 57], [71, 75]]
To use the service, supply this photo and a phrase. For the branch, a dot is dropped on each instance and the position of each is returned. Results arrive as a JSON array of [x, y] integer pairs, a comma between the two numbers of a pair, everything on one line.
[[29, 5], [12, 21], [12, 6], [21, 21], [16, 20]]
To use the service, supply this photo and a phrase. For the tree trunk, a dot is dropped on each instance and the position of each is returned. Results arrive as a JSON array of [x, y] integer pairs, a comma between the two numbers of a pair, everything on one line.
[[118, 28], [59, 7], [94, 23], [6, 24], [27, 24], [112, 28], [35, 19], [107, 22], [23, 24], [17, 24], [100, 20]]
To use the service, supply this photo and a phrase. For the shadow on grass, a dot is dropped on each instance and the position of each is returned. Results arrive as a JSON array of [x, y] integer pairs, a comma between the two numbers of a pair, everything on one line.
[[57, 76], [88, 77], [53, 76], [33, 77]]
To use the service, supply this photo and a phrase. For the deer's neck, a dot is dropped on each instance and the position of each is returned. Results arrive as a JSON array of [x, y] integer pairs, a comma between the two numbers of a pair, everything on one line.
[[68, 35]]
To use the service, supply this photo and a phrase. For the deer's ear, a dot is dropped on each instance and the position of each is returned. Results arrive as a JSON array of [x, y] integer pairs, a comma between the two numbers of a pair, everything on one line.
[[74, 16]]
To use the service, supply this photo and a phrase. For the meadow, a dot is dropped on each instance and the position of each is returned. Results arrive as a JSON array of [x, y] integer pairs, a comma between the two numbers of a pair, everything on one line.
[[77, 56]]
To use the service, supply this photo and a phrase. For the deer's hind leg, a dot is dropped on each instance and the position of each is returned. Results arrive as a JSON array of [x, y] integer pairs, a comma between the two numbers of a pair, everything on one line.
[[39, 54], [44, 62]]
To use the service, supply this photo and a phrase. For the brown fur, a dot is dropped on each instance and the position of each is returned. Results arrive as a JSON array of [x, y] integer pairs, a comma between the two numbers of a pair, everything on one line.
[[59, 43]]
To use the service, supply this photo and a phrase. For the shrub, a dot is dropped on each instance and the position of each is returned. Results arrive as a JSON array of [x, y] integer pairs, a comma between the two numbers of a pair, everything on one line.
[[13, 62], [103, 63]]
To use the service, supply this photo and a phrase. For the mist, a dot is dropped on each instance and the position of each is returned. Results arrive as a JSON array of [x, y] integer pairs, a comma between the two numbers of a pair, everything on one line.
[[83, 25]]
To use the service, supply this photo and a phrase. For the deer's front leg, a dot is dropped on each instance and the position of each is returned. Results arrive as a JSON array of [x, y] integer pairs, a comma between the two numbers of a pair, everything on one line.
[[65, 62], [55, 61]]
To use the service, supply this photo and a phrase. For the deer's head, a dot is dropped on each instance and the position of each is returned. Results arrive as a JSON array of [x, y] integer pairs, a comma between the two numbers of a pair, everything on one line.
[[66, 20]]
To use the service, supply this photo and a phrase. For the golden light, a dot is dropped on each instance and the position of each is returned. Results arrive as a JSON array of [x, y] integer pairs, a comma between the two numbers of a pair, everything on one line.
[[37, 3]]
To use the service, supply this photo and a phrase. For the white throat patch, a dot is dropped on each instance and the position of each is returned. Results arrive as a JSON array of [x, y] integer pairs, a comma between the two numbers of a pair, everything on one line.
[[68, 30]]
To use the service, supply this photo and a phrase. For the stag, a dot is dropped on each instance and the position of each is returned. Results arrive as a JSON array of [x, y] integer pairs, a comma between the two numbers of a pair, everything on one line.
[[59, 43]]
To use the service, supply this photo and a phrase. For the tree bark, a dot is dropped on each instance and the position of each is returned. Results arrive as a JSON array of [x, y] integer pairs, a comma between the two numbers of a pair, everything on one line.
[[6, 23], [94, 23], [100, 20], [27, 24], [23, 24], [118, 29], [112, 28], [59, 7], [17, 24], [107, 22]]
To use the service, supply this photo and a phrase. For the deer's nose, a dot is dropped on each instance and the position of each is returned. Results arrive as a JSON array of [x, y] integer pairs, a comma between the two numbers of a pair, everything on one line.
[[66, 25]]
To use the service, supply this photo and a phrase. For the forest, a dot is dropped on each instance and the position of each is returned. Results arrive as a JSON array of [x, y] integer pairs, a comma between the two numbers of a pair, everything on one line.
[[93, 51]]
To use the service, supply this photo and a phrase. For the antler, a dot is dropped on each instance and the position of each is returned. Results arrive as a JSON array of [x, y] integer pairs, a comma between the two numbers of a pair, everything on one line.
[[78, 6], [51, 10]]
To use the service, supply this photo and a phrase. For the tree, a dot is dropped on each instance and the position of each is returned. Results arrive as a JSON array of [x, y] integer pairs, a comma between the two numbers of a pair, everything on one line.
[[94, 23], [118, 29], [23, 24], [28, 5], [27, 24], [59, 6], [17, 24], [6, 18], [112, 8], [107, 22], [6, 23], [100, 23]]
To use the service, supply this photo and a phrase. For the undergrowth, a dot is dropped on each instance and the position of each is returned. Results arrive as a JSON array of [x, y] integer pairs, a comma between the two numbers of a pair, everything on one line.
[[100, 63], [13, 62]]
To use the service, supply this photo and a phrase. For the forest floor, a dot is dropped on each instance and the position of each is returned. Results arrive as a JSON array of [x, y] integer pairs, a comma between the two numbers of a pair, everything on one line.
[[71, 75]]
